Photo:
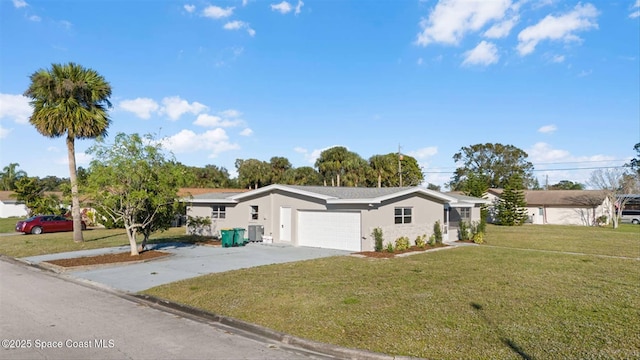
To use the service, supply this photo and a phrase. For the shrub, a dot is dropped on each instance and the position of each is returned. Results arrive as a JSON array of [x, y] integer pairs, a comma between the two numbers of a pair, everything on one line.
[[198, 225], [477, 232], [437, 231], [420, 240], [402, 243], [389, 247], [432, 240], [463, 231], [379, 240], [601, 220]]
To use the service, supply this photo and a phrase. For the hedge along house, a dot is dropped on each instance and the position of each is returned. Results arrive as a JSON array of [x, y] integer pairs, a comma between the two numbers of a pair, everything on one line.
[[561, 207], [329, 217]]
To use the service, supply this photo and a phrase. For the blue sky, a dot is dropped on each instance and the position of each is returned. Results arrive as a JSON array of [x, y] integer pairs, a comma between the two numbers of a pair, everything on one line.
[[222, 80]]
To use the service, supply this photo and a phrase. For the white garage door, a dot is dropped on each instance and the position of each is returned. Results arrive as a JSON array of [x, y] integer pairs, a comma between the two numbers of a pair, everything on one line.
[[330, 230]]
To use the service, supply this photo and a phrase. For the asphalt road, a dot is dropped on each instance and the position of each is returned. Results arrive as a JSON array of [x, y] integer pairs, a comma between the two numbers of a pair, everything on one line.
[[44, 316]]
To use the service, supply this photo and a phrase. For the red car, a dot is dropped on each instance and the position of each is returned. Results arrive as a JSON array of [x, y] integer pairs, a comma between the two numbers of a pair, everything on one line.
[[45, 224]]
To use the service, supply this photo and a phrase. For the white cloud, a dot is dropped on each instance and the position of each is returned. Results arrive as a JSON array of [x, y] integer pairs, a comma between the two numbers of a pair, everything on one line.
[[562, 27], [35, 18], [4, 132], [216, 141], [548, 129], [237, 25], [216, 12], [15, 107], [230, 113], [53, 149], [190, 8], [245, 2], [141, 107], [485, 53], [557, 58], [635, 10], [450, 20], [420, 61], [550, 162], [283, 7], [234, 25], [215, 121], [424, 152], [299, 7], [246, 132], [175, 107], [81, 159], [501, 29], [19, 3]]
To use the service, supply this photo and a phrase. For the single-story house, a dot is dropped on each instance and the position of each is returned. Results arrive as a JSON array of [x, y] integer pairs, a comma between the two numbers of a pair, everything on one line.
[[561, 207], [330, 217], [10, 207]]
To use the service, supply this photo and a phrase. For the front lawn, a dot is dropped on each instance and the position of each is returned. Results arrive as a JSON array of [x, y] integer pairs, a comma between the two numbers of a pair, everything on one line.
[[480, 302], [32, 245]]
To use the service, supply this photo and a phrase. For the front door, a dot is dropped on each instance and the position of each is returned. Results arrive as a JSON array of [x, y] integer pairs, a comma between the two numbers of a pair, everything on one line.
[[285, 224]]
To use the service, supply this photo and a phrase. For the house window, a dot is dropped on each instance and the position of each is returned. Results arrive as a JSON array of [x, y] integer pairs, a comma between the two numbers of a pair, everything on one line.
[[465, 213], [403, 216], [219, 211], [541, 211], [254, 212]]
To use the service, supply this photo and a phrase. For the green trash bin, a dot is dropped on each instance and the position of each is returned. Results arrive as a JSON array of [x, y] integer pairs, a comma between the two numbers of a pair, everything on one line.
[[238, 237], [227, 237]]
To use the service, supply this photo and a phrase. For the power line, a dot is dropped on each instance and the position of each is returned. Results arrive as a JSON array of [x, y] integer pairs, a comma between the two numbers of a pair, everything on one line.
[[538, 170]]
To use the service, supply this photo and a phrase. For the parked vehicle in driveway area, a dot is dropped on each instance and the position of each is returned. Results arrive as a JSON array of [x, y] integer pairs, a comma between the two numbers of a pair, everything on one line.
[[46, 224], [630, 216]]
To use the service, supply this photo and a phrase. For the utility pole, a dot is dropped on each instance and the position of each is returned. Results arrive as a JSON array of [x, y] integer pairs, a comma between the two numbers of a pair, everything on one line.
[[400, 164]]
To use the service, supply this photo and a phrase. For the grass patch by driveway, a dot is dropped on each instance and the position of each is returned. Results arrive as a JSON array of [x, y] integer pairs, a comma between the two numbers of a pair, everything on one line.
[[8, 225], [467, 303], [51, 243]]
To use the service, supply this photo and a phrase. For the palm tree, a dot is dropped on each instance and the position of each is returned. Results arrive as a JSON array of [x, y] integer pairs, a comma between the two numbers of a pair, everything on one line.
[[10, 175], [73, 100]]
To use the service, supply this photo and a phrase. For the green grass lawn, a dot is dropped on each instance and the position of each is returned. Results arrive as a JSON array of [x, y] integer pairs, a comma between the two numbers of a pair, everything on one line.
[[8, 225], [32, 245], [481, 302]]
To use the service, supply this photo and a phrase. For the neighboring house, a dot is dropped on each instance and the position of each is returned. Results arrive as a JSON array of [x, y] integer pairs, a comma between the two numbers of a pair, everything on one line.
[[10, 207], [329, 217], [561, 207]]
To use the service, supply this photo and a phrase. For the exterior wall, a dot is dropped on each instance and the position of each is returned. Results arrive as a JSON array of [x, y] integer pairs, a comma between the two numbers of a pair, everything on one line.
[[12, 209], [425, 212], [566, 215]]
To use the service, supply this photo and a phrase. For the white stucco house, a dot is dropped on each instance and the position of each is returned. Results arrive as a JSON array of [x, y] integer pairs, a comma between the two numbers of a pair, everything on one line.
[[561, 207], [10, 207], [332, 217]]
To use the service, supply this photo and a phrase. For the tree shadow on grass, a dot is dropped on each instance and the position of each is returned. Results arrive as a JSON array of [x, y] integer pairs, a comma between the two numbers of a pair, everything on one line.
[[510, 343]]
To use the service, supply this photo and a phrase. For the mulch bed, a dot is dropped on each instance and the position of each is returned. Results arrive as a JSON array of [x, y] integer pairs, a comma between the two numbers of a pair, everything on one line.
[[108, 259], [386, 255]]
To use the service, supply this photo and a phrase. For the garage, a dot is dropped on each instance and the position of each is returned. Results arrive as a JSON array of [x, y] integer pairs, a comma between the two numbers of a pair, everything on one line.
[[329, 229]]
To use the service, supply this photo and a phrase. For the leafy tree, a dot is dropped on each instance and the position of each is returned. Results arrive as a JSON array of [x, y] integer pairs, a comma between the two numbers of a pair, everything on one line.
[[73, 100], [210, 176], [279, 166], [53, 183], [334, 163], [385, 169], [305, 175], [30, 191], [566, 185], [10, 175], [253, 173], [511, 209], [434, 187], [494, 162], [132, 182], [634, 164], [614, 184]]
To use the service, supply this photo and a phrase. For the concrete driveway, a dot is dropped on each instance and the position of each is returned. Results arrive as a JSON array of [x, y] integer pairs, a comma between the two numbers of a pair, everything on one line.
[[186, 261]]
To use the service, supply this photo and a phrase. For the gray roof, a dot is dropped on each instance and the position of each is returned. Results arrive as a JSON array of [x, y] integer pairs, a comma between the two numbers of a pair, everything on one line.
[[560, 197], [350, 192]]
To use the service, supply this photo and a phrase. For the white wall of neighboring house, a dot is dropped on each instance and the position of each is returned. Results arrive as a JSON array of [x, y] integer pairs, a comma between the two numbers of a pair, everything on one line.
[[12, 209]]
